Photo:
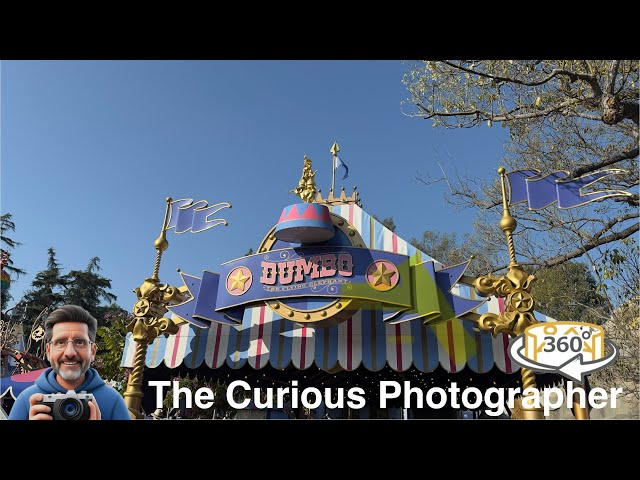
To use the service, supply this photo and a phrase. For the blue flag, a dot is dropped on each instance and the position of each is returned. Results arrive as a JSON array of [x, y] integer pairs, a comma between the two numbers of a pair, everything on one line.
[[339, 163], [186, 215], [540, 192]]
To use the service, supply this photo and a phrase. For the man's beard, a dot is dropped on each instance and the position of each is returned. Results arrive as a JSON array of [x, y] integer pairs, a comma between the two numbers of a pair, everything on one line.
[[73, 374]]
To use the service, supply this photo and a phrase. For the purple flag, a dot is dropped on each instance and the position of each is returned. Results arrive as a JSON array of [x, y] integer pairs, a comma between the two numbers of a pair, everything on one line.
[[540, 192], [518, 184], [569, 194], [186, 215]]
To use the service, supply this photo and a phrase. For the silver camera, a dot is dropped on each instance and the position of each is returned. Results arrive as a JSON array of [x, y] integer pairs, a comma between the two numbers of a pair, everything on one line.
[[68, 406]]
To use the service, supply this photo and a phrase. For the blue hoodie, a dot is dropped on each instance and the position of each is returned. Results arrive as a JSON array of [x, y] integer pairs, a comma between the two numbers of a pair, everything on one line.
[[112, 406]]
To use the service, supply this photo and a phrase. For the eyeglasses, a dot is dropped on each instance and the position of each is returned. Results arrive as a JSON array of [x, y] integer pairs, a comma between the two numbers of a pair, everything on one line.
[[78, 343]]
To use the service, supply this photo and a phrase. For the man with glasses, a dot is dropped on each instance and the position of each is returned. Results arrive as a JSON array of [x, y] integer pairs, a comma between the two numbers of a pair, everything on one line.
[[70, 333]]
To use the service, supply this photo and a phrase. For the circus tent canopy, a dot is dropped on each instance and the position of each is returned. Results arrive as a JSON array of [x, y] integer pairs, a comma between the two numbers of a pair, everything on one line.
[[264, 338]]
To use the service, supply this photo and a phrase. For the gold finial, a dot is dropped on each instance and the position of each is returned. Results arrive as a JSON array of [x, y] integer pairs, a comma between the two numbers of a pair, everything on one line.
[[161, 243], [334, 152], [507, 223], [306, 188]]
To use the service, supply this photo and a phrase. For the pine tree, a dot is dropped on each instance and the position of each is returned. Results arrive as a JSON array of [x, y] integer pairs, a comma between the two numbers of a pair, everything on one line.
[[87, 289], [46, 291]]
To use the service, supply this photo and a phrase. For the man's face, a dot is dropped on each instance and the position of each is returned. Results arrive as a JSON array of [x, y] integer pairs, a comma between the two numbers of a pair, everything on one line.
[[71, 362]]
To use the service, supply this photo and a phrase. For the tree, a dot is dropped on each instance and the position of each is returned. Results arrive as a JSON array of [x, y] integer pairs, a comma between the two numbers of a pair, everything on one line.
[[110, 339], [6, 225], [445, 248], [580, 116], [568, 292], [87, 289], [622, 328], [46, 291]]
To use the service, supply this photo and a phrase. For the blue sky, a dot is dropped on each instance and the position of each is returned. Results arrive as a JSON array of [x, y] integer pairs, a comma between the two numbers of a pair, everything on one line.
[[90, 150]]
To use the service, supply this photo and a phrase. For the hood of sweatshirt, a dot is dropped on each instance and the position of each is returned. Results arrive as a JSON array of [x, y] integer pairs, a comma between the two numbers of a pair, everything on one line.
[[48, 383]]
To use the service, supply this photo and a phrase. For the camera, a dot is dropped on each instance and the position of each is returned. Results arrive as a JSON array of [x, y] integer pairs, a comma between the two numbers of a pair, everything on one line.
[[68, 406]]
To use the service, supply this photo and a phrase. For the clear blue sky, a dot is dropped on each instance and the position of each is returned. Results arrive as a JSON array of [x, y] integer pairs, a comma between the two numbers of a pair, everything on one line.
[[90, 150]]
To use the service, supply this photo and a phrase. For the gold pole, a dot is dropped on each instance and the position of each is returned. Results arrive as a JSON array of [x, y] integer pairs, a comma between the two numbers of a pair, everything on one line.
[[519, 304], [334, 152], [161, 243], [149, 320], [507, 224]]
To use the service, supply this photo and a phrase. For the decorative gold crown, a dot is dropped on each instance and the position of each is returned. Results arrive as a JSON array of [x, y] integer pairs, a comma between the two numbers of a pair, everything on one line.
[[341, 200]]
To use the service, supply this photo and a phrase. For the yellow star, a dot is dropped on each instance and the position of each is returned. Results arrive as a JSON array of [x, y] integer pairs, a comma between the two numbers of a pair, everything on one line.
[[382, 275], [238, 280], [521, 301]]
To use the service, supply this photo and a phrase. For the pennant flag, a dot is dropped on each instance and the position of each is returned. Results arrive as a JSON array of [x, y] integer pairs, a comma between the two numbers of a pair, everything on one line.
[[199, 309], [186, 215], [339, 163], [541, 191]]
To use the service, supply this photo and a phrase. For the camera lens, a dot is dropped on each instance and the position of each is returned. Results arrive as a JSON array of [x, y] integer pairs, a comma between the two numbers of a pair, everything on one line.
[[70, 409]]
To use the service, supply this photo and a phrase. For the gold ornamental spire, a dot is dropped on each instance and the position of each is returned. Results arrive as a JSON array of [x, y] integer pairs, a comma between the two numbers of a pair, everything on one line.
[[334, 153], [306, 188], [515, 287], [149, 320], [507, 223]]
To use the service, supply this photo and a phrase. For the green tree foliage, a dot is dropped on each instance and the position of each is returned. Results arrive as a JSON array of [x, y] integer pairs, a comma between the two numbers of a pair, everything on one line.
[[568, 292], [46, 291], [448, 250], [619, 270], [87, 288], [576, 115], [110, 340], [581, 116], [8, 244], [622, 328]]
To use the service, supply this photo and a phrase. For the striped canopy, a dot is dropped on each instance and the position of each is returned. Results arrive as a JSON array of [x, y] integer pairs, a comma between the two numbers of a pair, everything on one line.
[[265, 338]]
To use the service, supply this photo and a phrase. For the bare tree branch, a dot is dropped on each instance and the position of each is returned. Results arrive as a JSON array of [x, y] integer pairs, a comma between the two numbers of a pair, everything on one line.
[[606, 162], [590, 79], [578, 252], [500, 117], [607, 226], [611, 78]]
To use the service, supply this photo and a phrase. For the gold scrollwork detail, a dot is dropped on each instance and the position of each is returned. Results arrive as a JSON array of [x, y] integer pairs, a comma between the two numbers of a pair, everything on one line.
[[515, 287], [149, 310], [511, 323]]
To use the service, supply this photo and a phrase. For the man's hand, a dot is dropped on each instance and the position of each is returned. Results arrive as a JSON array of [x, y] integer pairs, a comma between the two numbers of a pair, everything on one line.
[[94, 411], [38, 411]]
